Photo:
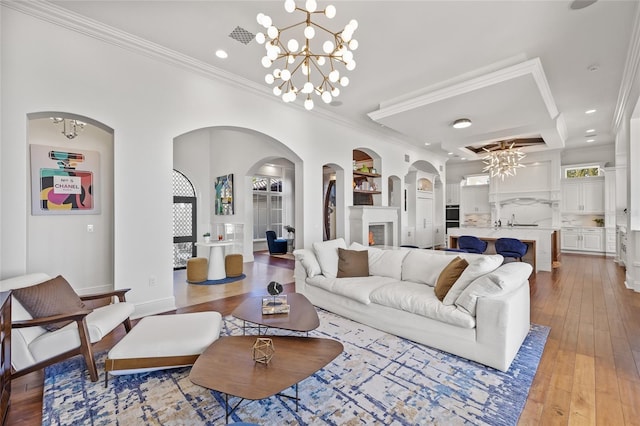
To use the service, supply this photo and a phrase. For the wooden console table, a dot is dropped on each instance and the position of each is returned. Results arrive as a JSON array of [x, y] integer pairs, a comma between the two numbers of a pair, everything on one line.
[[530, 255]]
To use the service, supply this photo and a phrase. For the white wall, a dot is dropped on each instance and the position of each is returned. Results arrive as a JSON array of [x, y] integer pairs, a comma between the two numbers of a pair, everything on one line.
[[148, 103]]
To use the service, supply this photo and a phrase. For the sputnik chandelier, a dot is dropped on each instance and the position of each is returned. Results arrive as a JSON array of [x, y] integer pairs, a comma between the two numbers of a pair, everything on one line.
[[70, 127], [503, 161], [299, 66]]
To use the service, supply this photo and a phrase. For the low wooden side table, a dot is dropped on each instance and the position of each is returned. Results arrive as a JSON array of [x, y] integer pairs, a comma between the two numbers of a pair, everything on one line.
[[227, 366]]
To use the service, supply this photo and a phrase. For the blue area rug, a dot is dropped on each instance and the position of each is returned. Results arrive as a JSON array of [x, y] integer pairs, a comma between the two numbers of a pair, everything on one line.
[[222, 281], [378, 379]]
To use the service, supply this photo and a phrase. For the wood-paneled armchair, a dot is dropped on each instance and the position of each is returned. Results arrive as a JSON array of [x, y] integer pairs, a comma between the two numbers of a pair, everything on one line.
[[50, 322]]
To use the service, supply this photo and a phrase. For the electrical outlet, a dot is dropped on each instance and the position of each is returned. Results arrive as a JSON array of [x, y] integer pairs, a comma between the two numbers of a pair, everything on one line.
[[89, 228], [152, 281]]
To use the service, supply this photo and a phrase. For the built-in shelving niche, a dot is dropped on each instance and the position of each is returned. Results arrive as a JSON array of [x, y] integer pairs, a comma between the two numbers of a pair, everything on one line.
[[366, 180]]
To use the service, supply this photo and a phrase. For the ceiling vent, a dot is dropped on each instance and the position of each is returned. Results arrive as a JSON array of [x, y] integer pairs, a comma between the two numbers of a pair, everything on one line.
[[242, 35]]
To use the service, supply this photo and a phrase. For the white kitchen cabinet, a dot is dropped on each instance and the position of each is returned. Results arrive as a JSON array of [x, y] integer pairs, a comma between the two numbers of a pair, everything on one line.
[[583, 239], [474, 199], [453, 193], [583, 196], [610, 245]]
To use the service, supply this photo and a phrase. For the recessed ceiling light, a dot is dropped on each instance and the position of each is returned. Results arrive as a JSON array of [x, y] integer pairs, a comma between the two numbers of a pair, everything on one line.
[[449, 153], [463, 158], [427, 143], [590, 140], [590, 111], [221, 54], [461, 123], [590, 131]]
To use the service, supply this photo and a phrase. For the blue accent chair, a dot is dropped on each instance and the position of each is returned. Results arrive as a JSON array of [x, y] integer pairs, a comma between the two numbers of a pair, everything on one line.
[[471, 244], [276, 245], [511, 247]]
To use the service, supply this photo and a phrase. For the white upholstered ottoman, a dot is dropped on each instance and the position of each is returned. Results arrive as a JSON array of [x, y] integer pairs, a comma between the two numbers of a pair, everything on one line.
[[163, 341]]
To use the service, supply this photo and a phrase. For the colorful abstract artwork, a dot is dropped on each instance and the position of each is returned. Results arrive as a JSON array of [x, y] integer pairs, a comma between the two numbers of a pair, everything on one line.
[[63, 181], [224, 195]]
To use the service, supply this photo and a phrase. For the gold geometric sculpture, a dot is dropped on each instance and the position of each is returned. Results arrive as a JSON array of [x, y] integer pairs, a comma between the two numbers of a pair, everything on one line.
[[263, 350]]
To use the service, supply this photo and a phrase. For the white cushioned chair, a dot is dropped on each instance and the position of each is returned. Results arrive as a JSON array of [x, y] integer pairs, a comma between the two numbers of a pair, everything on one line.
[[34, 347]]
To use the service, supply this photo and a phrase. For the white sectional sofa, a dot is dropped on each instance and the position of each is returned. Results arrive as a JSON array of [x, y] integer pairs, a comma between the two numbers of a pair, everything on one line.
[[484, 317]]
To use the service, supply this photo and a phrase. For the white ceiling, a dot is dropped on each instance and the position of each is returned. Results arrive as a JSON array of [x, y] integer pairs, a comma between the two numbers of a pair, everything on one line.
[[516, 68]]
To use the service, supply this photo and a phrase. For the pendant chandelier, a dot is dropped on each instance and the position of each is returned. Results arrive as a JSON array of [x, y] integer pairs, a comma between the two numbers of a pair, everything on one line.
[[70, 127], [503, 161], [309, 66]]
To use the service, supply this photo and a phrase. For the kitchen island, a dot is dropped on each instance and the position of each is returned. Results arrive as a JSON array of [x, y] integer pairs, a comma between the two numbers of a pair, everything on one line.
[[543, 247]]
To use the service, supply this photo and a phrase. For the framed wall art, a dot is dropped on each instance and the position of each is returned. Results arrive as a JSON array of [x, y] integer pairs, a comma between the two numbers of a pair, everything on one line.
[[224, 195], [63, 181]]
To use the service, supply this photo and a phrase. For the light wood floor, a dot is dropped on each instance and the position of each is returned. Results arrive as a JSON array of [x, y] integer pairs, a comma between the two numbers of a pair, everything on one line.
[[590, 368]]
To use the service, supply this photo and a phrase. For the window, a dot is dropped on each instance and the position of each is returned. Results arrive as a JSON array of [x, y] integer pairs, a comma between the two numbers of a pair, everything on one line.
[[267, 206], [582, 171], [476, 180]]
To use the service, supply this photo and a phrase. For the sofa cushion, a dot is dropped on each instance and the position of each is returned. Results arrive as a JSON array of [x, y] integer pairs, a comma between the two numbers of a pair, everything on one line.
[[327, 254], [309, 261], [360, 288], [352, 263], [52, 297], [501, 281], [425, 266], [421, 300], [449, 276], [322, 282], [386, 263], [480, 265]]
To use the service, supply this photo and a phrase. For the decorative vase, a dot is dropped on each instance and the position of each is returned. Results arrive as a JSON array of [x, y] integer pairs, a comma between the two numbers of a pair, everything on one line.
[[207, 239]]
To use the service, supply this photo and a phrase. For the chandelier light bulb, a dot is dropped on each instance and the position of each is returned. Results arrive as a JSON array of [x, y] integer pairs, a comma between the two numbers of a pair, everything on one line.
[[326, 97], [293, 45], [307, 88], [309, 32], [290, 6], [334, 76], [353, 44], [351, 65], [308, 104], [266, 62], [335, 92], [276, 72], [305, 69], [260, 18], [285, 75], [347, 56], [344, 81], [277, 91], [269, 78], [321, 61], [330, 11], [311, 5], [328, 46], [272, 54], [260, 38], [291, 59], [272, 32], [353, 24]]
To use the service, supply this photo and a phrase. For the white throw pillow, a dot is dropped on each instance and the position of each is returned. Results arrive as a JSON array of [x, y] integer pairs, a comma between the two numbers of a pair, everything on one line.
[[501, 281], [424, 267], [386, 263], [358, 247], [477, 268], [327, 255], [309, 261]]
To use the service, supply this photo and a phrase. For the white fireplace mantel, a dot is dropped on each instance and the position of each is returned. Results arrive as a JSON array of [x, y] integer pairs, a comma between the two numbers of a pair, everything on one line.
[[360, 217]]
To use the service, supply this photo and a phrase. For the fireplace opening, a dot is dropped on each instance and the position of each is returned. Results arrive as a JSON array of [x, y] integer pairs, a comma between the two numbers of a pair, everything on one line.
[[377, 234]]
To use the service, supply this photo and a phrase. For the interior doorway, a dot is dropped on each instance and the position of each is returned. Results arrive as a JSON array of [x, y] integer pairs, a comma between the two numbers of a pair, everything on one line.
[[184, 220]]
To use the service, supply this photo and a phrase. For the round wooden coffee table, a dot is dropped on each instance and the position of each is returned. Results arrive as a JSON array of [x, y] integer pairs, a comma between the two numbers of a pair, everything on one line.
[[227, 366], [302, 315]]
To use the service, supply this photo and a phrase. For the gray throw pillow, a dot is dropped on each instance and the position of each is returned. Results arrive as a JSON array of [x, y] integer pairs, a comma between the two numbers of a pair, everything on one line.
[[52, 297], [352, 263]]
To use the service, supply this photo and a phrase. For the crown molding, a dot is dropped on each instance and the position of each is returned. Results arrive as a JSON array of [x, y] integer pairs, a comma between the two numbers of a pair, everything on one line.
[[54, 14], [531, 67], [629, 75]]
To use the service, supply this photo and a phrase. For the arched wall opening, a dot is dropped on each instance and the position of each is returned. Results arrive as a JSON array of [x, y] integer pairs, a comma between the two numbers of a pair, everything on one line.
[[70, 225], [207, 153], [425, 205], [333, 201]]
